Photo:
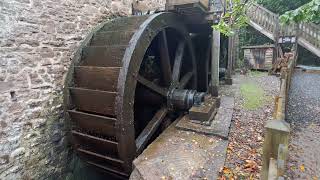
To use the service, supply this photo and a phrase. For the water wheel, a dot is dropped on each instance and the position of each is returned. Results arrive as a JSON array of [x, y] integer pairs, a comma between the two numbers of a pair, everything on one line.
[[130, 79]]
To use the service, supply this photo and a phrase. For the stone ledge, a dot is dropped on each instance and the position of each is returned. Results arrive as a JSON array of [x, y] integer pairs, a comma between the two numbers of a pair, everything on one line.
[[219, 126]]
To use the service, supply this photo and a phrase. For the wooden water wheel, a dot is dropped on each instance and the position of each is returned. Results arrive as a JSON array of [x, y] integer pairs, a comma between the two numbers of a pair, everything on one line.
[[130, 78]]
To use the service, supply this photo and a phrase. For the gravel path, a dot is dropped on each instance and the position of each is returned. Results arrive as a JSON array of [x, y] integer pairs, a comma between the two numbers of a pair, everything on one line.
[[304, 117], [247, 130]]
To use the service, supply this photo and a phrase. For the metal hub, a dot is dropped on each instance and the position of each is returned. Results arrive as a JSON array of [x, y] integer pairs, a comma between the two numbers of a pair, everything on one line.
[[184, 99]]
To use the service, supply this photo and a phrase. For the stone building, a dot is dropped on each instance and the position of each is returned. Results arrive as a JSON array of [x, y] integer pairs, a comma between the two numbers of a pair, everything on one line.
[[37, 41]]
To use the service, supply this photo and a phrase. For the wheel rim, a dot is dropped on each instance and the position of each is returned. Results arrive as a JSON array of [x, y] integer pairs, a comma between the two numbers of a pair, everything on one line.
[[140, 43], [100, 105]]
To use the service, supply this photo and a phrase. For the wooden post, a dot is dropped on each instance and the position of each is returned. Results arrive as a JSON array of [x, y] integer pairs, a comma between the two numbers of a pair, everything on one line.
[[276, 35], [282, 155], [297, 34], [228, 78], [277, 132], [272, 173], [235, 55], [215, 57]]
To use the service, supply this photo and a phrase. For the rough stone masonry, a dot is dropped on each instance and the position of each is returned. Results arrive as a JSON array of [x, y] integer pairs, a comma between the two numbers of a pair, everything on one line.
[[37, 41]]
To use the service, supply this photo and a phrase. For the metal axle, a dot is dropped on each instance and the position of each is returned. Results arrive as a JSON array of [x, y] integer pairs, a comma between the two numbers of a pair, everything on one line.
[[184, 98]]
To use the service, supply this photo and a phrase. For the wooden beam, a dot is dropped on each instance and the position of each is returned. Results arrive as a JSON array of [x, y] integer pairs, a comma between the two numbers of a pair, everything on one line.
[[150, 129], [215, 58]]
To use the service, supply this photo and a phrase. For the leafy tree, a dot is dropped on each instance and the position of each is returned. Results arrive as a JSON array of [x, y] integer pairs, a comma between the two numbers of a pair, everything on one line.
[[234, 18], [309, 12]]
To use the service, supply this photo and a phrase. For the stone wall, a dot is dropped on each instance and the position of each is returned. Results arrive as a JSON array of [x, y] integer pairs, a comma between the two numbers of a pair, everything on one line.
[[37, 41]]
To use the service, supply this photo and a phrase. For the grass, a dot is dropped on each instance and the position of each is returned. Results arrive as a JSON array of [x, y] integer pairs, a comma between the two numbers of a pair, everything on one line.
[[254, 96], [254, 73]]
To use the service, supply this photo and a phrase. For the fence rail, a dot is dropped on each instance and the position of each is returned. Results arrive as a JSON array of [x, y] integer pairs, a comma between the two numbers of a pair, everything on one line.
[[308, 33]]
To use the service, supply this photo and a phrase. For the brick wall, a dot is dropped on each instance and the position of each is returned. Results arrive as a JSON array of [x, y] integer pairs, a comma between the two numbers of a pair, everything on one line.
[[37, 40]]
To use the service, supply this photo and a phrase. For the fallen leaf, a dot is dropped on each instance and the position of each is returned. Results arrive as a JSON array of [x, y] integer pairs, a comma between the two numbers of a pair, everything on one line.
[[302, 169], [251, 165], [226, 171], [251, 177]]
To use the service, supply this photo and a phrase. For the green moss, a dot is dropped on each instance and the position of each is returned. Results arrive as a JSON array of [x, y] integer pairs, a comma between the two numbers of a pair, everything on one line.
[[254, 96]]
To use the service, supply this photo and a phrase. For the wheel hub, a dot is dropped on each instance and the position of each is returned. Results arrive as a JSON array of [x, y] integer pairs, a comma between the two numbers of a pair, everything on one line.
[[184, 99]]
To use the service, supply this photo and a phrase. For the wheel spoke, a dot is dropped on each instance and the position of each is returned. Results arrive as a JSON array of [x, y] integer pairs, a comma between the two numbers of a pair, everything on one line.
[[160, 90], [178, 62], [165, 58], [184, 80], [150, 129]]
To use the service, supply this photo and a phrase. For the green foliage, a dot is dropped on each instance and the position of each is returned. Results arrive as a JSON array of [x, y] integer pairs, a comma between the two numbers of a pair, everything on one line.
[[282, 6], [309, 12], [253, 95], [236, 18], [233, 19]]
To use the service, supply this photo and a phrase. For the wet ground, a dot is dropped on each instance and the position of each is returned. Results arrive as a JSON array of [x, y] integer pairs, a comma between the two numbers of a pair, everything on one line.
[[303, 114], [247, 130]]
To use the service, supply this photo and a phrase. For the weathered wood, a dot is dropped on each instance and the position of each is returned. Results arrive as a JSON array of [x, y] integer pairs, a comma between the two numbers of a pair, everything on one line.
[[101, 102], [204, 112], [98, 78], [106, 147], [103, 56], [277, 132], [281, 161], [215, 58], [154, 87], [272, 174], [94, 123], [111, 38], [178, 62], [102, 159], [150, 129], [172, 3], [185, 79], [165, 58], [228, 79], [268, 24], [259, 58]]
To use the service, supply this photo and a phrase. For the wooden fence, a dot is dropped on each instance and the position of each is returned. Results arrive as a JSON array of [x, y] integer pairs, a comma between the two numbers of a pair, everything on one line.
[[268, 23], [275, 147]]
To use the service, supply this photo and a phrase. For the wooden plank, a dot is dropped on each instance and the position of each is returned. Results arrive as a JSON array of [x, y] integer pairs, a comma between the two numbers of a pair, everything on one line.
[[98, 78], [94, 123], [150, 129], [178, 62], [108, 169], [204, 3], [103, 56], [101, 159], [98, 145], [101, 102], [124, 23], [165, 58], [110, 38], [152, 86], [261, 29]]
